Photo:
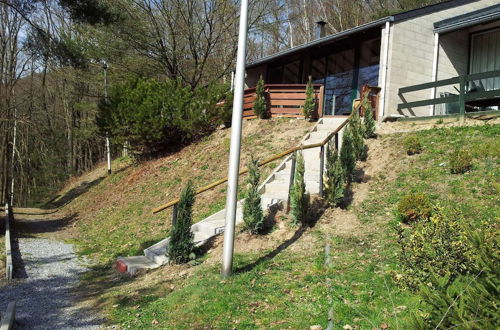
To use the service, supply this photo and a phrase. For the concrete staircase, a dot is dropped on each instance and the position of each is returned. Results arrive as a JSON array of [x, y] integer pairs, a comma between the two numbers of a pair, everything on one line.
[[274, 192]]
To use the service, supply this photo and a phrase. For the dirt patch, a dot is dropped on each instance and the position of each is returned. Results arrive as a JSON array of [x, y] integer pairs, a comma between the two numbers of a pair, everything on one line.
[[420, 125]]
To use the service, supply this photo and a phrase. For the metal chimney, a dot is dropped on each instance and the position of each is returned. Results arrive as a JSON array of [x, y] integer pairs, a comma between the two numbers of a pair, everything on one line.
[[320, 29]]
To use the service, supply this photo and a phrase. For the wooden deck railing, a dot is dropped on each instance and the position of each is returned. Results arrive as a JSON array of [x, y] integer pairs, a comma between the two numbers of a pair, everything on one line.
[[463, 97], [284, 100], [321, 145]]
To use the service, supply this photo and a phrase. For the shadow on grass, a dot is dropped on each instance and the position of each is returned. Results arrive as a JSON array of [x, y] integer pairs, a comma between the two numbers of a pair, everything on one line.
[[316, 210]]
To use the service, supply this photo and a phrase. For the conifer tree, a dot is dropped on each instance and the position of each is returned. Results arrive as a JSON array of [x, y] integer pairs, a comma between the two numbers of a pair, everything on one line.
[[181, 243], [369, 122], [357, 130], [347, 156], [335, 176], [299, 199], [253, 216], [309, 104], [259, 105]]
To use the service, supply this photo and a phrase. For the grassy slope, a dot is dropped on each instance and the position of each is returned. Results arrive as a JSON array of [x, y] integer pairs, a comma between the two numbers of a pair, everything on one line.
[[112, 214], [281, 279]]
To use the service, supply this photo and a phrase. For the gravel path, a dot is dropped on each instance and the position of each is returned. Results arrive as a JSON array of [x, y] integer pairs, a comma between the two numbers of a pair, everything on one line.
[[45, 298]]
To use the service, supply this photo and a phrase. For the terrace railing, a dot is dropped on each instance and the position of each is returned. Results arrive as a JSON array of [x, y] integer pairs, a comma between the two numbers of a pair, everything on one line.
[[284, 100], [468, 94]]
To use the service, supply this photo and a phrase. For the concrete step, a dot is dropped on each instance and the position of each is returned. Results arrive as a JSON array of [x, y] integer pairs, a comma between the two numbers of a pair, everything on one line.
[[132, 265], [282, 188], [316, 137], [284, 176]]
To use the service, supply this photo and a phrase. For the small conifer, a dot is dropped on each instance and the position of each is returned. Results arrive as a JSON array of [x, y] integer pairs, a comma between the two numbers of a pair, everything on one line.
[[181, 243], [253, 216], [347, 156], [299, 199], [357, 130], [369, 122], [335, 187], [259, 105], [309, 103]]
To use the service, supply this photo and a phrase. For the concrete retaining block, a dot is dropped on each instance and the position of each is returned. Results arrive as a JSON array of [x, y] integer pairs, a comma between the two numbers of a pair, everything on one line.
[[9, 317]]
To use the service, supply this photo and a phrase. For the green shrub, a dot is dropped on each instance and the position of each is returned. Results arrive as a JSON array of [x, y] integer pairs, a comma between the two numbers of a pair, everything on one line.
[[335, 178], [227, 110], [412, 145], [369, 122], [309, 104], [469, 301], [153, 116], [253, 216], [414, 207], [360, 148], [299, 199], [434, 247], [460, 161], [181, 243], [260, 104], [347, 154]]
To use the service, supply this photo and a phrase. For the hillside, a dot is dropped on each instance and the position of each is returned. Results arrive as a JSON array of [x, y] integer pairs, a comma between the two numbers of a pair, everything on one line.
[[358, 284], [344, 266], [110, 216]]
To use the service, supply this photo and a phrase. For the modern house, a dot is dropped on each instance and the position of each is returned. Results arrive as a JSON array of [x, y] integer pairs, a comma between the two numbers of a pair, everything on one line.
[[452, 39]]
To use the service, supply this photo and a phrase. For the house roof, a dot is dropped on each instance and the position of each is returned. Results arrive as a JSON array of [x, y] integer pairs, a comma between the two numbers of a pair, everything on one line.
[[364, 27], [480, 16]]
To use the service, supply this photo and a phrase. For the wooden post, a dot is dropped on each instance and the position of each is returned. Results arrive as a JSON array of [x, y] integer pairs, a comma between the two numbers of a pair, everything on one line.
[[321, 168], [292, 178], [461, 99]]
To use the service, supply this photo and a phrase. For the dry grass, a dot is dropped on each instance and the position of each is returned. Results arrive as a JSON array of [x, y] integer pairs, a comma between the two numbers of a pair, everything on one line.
[[111, 216]]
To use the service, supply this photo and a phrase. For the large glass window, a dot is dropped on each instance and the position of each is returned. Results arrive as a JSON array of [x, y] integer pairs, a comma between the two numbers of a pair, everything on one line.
[[339, 83], [369, 63]]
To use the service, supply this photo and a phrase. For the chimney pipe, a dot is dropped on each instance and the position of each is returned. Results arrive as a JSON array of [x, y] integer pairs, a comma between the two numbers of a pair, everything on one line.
[[320, 29]]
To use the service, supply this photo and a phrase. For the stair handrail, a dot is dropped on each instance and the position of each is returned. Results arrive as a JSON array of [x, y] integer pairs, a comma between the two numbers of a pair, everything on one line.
[[266, 161]]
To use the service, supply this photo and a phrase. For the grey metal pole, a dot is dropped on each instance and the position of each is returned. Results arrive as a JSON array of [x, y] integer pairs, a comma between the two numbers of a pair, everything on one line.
[[234, 152], [108, 149], [12, 168]]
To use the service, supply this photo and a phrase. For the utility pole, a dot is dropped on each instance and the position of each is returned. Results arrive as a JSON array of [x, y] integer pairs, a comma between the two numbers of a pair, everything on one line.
[[12, 168], [234, 152], [108, 149]]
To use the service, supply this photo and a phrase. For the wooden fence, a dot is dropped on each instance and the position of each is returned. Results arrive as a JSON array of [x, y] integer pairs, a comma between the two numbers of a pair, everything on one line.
[[284, 100]]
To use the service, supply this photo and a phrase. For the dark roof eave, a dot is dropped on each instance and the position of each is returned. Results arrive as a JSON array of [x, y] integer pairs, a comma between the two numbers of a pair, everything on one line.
[[321, 41], [468, 23]]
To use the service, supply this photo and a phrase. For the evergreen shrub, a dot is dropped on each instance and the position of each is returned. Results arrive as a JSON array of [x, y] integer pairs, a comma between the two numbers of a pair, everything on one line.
[[412, 145], [309, 103], [369, 121], [153, 116], [347, 154], [181, 243], [357, 130], [414, 207], [436, 247], [260, 104], [335, 183], [299, 199], [253, 216], [470, 301], [460, 161]]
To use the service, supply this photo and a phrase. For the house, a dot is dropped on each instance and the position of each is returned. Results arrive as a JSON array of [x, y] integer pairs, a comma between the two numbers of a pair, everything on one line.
[[451, 39]]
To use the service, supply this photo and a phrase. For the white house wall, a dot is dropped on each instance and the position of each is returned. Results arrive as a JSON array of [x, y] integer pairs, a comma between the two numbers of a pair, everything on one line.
[[411, 55]]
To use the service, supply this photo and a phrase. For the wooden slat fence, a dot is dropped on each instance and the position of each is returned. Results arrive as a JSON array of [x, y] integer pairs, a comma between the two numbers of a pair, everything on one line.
[[284, 100]]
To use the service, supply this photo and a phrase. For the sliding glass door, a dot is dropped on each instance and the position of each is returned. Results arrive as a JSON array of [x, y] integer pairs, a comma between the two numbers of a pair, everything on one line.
[[485, 56]]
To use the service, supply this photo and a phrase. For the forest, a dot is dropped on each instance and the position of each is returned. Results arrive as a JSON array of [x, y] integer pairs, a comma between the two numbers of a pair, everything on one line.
[[146, 74]]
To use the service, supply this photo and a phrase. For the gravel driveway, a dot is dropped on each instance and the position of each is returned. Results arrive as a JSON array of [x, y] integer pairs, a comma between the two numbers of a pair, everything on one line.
[[45, 297]]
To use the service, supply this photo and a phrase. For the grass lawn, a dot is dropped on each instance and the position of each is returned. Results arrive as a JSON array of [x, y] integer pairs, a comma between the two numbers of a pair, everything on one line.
[[283, 282]]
